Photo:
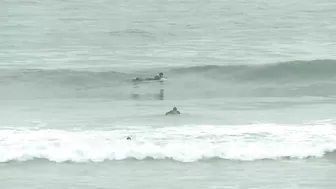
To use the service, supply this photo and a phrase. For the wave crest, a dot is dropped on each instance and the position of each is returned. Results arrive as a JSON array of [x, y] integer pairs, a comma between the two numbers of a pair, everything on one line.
[[293, 71]]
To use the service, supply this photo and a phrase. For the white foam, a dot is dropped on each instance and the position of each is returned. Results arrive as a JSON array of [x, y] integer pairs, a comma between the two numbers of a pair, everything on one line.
[[185, 144]]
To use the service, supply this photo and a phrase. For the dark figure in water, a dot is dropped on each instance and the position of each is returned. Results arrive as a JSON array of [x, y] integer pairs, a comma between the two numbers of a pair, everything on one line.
[[129, 138], [157, 77], [173, 111]]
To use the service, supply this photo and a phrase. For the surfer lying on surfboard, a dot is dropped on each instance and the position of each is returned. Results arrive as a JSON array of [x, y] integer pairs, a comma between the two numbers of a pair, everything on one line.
[[157, 77]]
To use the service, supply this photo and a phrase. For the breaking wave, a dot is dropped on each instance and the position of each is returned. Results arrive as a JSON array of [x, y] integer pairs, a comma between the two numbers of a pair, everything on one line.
[[183, 144]]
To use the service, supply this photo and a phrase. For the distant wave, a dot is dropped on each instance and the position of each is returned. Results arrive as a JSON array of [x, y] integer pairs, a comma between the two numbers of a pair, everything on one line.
[[132, 33], [183, 144], [61, 77], [303, 78], [294, 71]]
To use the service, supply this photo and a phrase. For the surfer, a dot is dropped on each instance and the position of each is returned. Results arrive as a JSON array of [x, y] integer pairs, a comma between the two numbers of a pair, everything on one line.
[[157, 77], [174, 111]]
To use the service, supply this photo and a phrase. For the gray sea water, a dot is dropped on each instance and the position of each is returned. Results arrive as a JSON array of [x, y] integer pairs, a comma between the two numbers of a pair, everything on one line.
[[255, 82]]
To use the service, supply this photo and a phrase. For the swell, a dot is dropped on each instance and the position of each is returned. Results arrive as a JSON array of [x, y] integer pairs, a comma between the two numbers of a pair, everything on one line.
[[132, 33], [61, 76], [294, 71], [296, 78]]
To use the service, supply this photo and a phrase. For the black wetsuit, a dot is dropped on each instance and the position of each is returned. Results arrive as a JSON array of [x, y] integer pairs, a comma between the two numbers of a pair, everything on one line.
[[157, 77], [173, 112]]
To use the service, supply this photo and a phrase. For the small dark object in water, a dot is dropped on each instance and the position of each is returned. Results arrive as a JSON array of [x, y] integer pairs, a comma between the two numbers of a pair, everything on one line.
[[129, 138]]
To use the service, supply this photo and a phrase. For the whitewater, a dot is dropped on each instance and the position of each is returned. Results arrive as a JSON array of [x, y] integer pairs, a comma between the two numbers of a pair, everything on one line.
[[184, 144]]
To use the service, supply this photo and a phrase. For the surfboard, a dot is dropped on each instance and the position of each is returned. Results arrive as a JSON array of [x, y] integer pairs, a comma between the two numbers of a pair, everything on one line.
[[136, 79]]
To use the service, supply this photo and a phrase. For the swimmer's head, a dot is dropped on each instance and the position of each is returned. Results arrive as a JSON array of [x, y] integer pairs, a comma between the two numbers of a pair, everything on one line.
[[161, 74], [174, 108]]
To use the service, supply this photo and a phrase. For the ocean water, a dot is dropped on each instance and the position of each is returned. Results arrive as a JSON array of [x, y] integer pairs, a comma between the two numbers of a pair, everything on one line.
[[255, 82]]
